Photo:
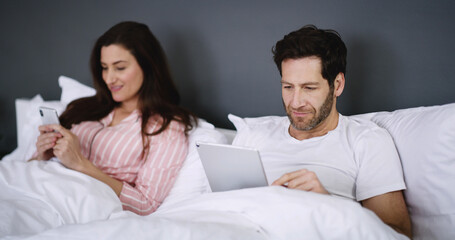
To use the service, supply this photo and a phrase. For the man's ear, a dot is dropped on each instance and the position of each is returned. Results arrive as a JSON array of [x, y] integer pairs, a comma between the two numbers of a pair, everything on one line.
[[339, 84]]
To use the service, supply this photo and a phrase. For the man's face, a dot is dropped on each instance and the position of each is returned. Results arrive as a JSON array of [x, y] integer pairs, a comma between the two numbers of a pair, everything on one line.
[[307, 97]]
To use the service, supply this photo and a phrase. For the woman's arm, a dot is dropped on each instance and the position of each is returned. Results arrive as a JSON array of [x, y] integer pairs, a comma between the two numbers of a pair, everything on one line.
[[157, 176], [154, 180], [68, 151], [91, 170]]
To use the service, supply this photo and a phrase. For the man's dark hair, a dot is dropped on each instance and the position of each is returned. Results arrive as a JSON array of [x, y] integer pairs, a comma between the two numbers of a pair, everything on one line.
[[310, 41]]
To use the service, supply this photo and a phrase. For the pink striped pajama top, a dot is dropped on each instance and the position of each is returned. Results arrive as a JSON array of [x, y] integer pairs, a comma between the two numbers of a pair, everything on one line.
[[116, 150]]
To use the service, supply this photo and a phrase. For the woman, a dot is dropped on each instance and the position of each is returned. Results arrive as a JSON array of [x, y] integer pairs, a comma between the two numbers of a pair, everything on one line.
[[132, 134]]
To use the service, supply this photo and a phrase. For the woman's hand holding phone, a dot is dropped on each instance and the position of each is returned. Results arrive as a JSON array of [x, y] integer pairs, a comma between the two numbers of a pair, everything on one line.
[[67, 149], [46, 142], [56, 141], [48, 137]]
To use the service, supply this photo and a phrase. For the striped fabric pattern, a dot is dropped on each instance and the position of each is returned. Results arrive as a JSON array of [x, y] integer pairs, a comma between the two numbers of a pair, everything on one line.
[[117, 151]]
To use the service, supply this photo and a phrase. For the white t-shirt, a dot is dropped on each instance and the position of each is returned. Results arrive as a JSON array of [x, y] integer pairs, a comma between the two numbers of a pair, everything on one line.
[[357, 160]]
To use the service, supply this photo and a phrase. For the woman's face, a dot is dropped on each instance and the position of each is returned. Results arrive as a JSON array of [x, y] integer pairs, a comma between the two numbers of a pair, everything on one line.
[[122, 74]]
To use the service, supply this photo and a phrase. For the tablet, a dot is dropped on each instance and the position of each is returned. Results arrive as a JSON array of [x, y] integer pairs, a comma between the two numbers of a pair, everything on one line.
[[231, 167]]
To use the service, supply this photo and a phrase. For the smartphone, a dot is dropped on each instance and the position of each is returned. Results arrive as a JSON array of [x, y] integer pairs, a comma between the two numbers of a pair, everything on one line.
[[48, 115]]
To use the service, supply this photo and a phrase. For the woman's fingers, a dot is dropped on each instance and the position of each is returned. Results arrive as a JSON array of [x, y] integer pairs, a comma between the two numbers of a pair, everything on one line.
[[46, 141], [59, 129]]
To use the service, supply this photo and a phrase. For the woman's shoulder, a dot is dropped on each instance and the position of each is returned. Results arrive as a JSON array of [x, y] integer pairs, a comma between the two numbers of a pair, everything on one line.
[[174, 129]]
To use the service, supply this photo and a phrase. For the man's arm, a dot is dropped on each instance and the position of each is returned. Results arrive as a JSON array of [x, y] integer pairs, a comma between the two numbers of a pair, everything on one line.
[[391, 209]]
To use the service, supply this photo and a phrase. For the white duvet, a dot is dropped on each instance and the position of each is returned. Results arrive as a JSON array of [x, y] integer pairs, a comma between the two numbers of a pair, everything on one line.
[[44, 200]]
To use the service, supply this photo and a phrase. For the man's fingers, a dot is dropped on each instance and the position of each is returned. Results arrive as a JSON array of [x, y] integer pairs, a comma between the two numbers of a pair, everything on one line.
[[280, 181], [289, 177], [283, 179], [302, 180]]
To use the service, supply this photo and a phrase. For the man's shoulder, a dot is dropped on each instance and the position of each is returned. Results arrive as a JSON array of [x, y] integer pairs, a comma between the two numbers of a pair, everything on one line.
[[358, 127]]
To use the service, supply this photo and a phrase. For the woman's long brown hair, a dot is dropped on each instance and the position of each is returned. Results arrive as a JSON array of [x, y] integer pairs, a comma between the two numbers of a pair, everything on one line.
[[157, 95]]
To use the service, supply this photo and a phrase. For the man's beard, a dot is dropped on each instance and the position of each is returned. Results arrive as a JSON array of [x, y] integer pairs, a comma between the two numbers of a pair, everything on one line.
[[300, 124]]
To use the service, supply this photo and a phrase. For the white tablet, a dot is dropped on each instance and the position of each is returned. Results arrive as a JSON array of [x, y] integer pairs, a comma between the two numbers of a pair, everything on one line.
[[231, 167]]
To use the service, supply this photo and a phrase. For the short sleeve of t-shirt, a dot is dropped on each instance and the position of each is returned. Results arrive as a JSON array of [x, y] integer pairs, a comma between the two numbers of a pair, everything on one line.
[[379, 166]]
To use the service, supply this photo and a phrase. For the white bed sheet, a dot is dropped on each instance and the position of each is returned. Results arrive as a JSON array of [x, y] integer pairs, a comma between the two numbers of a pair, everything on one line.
[[41, 195], [49, 201]]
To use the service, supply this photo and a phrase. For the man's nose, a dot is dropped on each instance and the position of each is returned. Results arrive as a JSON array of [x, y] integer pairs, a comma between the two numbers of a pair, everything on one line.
[[298, 99]]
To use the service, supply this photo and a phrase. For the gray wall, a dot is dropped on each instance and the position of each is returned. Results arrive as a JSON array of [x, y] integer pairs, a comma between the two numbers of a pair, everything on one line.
[[399, 52]]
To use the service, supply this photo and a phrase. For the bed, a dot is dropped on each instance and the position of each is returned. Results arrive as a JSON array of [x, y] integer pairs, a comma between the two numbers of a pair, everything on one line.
[[44, 200]]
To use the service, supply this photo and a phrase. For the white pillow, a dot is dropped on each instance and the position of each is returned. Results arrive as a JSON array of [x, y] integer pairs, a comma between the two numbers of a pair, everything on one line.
[[72, 89], [27, 122], [425, 139], [251, 131], [191, 180], [28, 119], [228, 133]]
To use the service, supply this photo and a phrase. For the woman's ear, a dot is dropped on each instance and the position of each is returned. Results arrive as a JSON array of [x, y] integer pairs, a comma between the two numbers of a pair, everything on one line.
[[339, 84]]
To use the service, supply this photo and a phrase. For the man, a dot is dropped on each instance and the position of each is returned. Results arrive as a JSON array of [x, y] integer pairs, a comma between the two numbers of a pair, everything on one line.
[[326, 152]]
